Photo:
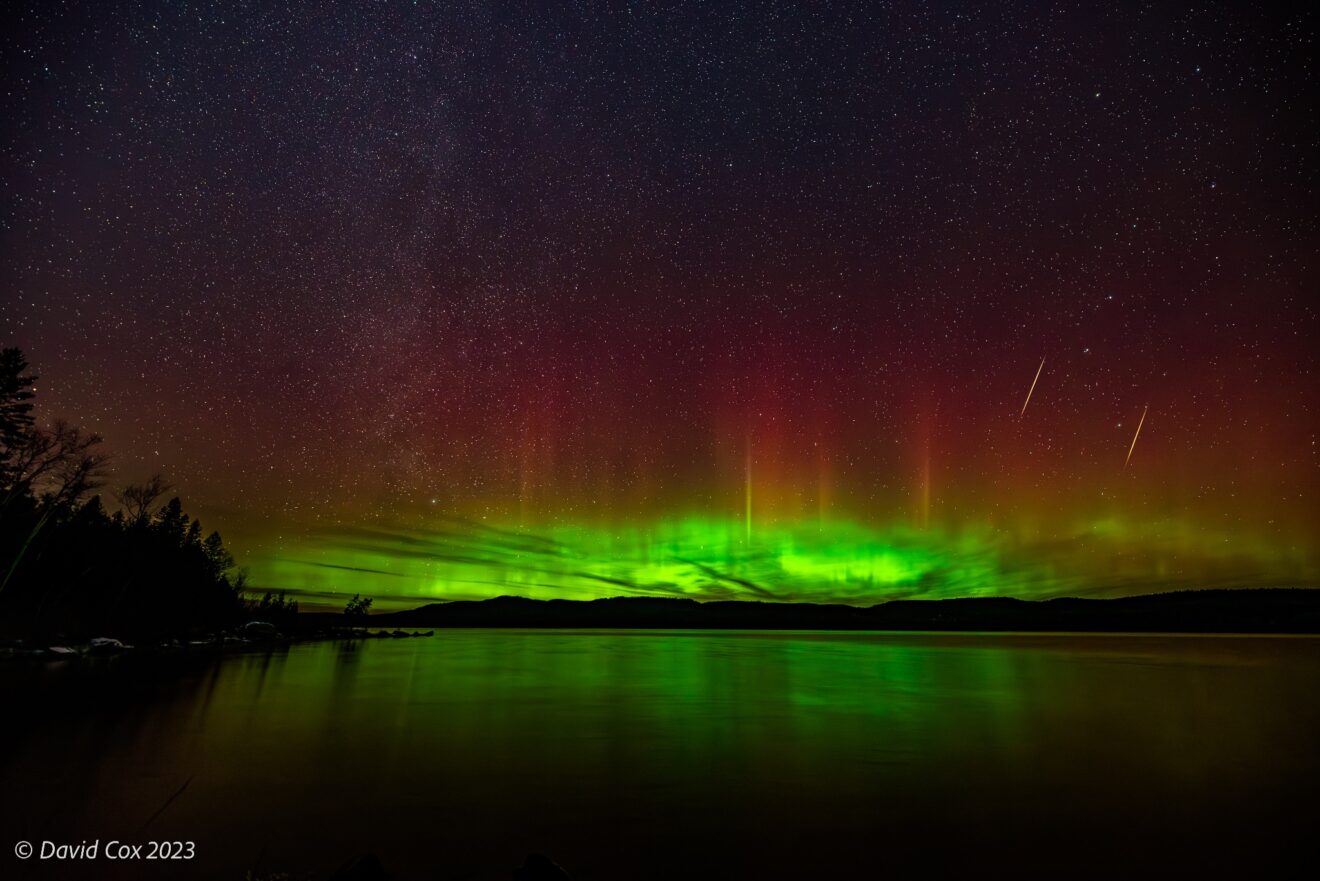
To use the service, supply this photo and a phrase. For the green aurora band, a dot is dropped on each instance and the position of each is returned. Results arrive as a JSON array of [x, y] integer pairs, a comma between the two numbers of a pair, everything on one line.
[[834, 561]]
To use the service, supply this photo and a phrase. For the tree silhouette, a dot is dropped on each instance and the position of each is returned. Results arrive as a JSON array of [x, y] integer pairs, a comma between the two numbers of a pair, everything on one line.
[[138, 499], [69, 567], [357, 609], [16, 393], [16, 424]]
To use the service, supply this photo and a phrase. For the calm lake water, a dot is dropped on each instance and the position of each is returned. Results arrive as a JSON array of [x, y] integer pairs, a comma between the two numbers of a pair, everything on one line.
[[678, 755]]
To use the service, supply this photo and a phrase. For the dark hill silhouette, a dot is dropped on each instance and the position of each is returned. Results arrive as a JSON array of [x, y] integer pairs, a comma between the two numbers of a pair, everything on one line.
[[1270, 610]]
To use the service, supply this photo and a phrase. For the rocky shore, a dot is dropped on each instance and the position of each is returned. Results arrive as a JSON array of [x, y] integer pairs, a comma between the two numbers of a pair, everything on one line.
[[254, 635]]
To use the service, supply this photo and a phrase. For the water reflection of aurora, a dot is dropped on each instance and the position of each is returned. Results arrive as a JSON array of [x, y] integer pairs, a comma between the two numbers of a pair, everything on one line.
[[703, 558]]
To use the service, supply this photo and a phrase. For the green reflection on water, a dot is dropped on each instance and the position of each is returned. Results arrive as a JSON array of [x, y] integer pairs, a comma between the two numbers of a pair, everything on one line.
[[473, 748]]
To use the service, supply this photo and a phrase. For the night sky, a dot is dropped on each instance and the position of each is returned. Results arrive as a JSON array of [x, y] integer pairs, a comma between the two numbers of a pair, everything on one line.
[[709, 299]]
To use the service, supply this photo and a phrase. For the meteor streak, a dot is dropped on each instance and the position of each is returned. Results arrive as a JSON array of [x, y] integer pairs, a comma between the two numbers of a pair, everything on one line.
[[1137, 435], [1033, 388]]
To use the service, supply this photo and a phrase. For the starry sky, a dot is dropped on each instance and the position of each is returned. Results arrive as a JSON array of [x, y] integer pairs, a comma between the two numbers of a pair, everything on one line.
[[701, 299]]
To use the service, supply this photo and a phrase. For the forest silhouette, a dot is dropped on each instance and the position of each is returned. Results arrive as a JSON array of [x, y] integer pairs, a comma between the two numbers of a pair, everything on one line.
[[72, 569]]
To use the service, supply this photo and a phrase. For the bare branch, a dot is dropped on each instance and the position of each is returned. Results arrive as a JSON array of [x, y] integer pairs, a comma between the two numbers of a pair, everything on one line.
[[138, 500]]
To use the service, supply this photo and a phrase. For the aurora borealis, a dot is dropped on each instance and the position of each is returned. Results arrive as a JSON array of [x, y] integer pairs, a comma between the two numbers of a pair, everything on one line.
[[715, 300]]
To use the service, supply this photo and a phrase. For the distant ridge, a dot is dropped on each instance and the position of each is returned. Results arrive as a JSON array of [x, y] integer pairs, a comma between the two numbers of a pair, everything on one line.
[[1263, 610]]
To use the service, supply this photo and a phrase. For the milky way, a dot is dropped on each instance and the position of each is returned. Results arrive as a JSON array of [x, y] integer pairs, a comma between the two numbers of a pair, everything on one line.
[[702, 299]]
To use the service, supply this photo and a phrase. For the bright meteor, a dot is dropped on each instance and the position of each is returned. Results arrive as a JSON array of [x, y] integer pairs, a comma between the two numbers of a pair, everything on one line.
[[1032, 389], [1137, 435]]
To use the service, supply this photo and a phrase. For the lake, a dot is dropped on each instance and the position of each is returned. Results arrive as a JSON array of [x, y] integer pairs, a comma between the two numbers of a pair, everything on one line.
[[665, 755]]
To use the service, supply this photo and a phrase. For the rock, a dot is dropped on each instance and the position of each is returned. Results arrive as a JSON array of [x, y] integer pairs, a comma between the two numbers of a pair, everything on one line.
[[104, 645], [62, 650], [364, 868], [539, 867], [399, 634], [259, 630]]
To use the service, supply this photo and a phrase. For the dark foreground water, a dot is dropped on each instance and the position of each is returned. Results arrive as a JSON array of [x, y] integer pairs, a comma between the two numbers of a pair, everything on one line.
[[678, 755]]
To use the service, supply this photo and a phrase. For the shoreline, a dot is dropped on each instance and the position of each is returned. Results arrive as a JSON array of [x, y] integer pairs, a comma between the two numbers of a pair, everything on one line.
[[1257, 610], [1245, 612]]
